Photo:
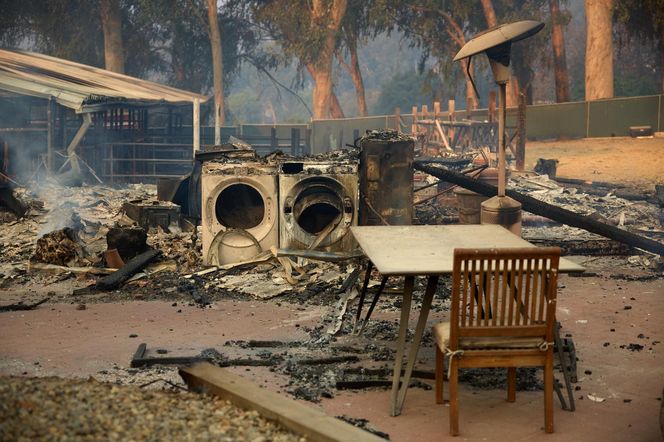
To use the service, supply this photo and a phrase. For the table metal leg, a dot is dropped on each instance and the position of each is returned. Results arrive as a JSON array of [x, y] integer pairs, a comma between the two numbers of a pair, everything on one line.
[[401, 342], [415, 345], [564, 368], [373, 304], [363, 293]]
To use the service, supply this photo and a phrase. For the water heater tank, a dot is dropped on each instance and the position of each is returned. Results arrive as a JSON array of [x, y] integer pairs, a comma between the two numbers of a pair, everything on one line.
[[386, 178]]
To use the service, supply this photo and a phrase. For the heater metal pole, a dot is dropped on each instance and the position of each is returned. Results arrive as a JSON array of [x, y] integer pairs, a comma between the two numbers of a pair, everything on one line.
[[502, 113]]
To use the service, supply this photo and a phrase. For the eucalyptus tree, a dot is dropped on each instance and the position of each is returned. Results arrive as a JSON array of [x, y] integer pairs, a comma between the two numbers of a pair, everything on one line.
[[309, 32]]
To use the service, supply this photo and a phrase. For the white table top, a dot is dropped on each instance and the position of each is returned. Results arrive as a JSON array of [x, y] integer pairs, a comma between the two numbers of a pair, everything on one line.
[[429, 250]]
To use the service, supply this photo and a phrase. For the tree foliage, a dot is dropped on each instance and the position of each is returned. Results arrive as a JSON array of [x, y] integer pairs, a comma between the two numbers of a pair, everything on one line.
[[167, 40]]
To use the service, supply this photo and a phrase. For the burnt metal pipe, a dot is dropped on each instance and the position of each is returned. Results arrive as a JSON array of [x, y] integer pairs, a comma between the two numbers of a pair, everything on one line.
[[538, 207]]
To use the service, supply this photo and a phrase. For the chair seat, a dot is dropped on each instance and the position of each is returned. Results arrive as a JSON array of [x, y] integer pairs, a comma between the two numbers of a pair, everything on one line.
[[441, 333]]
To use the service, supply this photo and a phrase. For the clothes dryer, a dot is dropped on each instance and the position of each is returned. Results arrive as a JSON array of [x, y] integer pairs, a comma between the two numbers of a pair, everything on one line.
[[239, 211]]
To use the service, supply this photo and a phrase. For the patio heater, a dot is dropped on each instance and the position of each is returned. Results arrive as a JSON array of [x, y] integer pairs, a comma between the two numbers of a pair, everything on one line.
[[496, 43]]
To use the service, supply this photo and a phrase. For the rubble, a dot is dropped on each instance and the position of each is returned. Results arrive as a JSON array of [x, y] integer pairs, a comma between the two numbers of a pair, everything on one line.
[[128, 241], [68, 230], [59, 247]]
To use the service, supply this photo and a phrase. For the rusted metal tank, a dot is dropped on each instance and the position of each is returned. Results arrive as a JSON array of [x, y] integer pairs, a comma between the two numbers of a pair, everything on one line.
[[386, 178], [469, 202], [504, 211]]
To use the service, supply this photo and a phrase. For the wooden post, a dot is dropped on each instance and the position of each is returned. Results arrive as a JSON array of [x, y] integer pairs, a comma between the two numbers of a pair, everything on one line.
[[413, 127], [50, 120], [521, 133], [492, 106], [196, 125], [436, 109], [71, 149], [397, 118], [425, 111]]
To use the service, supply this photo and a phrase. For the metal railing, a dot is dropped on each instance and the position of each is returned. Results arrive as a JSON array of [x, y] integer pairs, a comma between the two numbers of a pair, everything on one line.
[[142, 162]]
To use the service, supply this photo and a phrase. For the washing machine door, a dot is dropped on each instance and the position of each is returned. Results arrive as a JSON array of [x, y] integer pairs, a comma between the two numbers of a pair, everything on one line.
[[241, 215], [317, 212]]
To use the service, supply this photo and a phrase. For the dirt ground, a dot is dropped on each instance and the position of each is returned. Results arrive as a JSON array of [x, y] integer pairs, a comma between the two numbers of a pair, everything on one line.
[[634, 162], [614, 314], [609, 320]]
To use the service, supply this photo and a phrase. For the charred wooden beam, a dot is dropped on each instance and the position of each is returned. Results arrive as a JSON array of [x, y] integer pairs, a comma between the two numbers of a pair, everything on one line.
[[329, 360], [538, 207], [140, 360], [20, 306], [587, 247], [133, 266]]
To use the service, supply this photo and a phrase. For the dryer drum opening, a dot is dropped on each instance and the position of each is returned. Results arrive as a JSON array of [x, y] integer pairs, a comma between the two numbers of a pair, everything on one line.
[[316, 207], [240, 206]]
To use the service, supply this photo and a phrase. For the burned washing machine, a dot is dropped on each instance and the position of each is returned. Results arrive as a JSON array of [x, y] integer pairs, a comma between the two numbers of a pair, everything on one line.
[[239, 213], [318, 202]]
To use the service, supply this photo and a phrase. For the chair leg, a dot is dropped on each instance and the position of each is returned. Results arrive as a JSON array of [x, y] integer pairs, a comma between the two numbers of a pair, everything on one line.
[[439, 376], [511, 384], [454, 397], [548, 393]]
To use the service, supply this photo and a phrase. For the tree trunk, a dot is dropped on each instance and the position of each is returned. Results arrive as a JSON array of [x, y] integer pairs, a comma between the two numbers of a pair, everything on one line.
[[559, 59], [513, 85], [354, 70], [217, 69], [599, 49], [456, 33], [269, 107], [111, 21], [336, 111], [321, 68], [489, 13], [358, 82], [322, 93]]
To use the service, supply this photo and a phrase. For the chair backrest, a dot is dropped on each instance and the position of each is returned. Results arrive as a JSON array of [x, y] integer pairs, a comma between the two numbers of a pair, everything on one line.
[[504, 293]]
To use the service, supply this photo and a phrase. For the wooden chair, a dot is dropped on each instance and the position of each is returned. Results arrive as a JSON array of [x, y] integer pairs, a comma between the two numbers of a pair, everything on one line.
[[502, 315]]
